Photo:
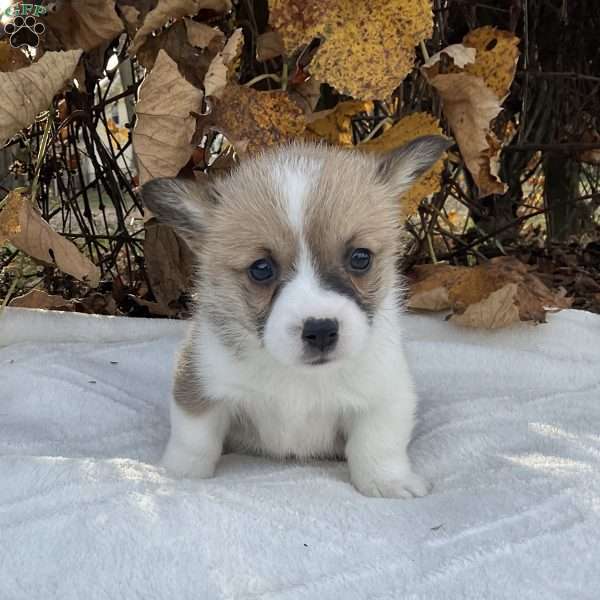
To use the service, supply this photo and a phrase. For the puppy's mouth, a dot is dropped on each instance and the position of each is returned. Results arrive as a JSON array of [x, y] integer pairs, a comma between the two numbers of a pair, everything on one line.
[[318, 360], [321, 360]]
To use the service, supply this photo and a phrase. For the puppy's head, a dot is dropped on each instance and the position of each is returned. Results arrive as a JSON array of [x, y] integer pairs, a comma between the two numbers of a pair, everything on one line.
[[297, 248]]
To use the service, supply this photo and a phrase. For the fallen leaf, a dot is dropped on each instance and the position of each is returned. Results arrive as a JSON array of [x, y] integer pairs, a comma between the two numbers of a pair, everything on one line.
[[28, 91], [132, 18], [253, 120], [40, 299], [492, 295], [499, 309], [496, 58], [223, 64], [11, 59], [169, 266], [470, 106], [472, 88], [84, 24], [269, 45], [164, 129], [173, 9], [406, 129], [192, 62], [204, 36], [461, 56], [22, 225], [306, 94], [335, 125], [591, 156]]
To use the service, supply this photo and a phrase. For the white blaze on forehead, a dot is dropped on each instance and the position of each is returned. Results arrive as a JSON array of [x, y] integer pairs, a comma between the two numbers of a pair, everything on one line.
[[294, 180]]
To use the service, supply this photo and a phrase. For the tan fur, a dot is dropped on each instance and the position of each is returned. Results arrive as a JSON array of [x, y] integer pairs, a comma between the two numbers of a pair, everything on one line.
[[353, 210], [187, 390]]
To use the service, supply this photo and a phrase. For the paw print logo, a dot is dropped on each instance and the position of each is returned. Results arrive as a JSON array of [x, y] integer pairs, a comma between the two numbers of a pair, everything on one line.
[[24, 31]]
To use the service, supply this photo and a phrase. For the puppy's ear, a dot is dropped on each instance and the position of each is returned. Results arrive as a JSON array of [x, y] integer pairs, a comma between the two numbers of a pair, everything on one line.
[[180, 203], [400, 168]]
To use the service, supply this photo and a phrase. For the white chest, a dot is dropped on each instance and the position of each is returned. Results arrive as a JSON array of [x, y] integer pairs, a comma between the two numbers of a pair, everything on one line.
[[287, 427]]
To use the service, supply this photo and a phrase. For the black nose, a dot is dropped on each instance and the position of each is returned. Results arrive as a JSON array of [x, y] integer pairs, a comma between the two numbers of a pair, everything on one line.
[[320, 334]]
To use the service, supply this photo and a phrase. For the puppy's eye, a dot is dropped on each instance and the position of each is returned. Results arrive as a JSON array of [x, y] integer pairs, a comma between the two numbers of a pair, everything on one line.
[[360, 260], [262, 270]]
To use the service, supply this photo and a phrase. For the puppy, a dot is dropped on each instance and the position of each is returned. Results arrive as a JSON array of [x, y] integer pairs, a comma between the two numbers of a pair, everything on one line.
[[295, 346]]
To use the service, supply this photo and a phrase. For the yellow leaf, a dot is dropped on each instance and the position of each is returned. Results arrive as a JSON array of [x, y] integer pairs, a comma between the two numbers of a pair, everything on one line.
[[163, 133], [368, 46], [253, 120], [496, 59], [335, 125], [405, 130], [25, 229], [30, 90]]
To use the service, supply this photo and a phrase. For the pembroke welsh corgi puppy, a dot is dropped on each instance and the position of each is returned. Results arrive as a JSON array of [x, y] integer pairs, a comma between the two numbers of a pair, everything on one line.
[[295, 346]]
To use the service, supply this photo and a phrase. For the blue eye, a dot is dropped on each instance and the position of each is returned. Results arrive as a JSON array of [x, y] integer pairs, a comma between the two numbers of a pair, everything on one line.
[[262, 270], [360, 260]]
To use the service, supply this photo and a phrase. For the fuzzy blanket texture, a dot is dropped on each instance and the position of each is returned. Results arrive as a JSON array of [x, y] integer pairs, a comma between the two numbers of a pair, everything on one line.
[[508, 432]]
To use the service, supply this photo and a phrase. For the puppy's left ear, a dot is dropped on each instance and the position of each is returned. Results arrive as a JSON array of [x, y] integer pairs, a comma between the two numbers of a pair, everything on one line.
[[402, 167]]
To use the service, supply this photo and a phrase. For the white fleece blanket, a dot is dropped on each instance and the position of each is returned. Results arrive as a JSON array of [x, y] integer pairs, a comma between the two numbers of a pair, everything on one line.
[[509, 433]]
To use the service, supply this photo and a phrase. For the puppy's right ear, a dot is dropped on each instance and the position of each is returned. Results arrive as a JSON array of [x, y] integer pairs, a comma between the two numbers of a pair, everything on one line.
[[180, 203]]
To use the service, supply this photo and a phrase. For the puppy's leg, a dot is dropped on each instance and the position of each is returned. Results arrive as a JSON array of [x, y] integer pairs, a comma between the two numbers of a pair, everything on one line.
[[376, 452], [198, 425]]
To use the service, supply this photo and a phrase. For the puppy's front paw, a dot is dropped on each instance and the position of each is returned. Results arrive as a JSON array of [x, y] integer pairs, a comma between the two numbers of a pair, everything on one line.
[[390, 485], [181, 463]]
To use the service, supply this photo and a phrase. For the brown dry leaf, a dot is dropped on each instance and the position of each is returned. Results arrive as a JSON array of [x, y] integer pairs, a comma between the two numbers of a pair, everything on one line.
[[132, 16], [223, 65], [496, 60], [33, 236], [83, 24], [470, 106], [28, 91], [40, 299], [335, 125], [192, 62], [499, 309], [402, 132], [11, 58], [169, 266], [591, 156], [471, 92], [173, 9], [368, 46], [204, 36], [269, 45], [256, 119], [460, 55], [164, 129], [491, 295], [306, 94]]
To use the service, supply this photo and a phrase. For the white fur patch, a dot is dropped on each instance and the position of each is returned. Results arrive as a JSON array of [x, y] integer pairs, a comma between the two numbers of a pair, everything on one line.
[[294, 180]]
